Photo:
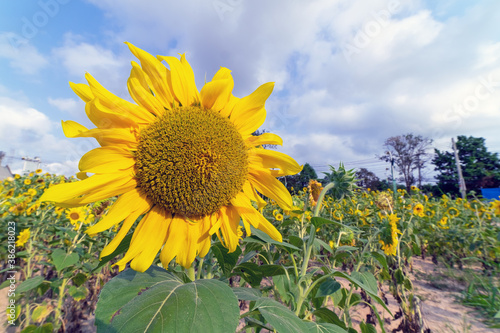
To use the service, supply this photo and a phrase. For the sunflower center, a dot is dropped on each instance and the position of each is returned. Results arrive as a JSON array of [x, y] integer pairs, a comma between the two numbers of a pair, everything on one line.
[[191, 161], [74, 216]]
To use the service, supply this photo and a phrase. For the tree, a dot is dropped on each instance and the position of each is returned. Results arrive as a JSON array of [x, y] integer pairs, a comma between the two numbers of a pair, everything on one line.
[[480, 168], [300, 180], [368, 179], [409, 153]]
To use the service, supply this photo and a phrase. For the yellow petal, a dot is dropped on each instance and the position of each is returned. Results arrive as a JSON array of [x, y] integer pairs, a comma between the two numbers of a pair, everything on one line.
[[215, 94], [175, 240], [105, 137], [82, 90], [250, 192], [229, 227], [126, 204], [154, 236], [117, 107], [141, 92], [264, 139], [67, 191], [106, 160], [249, 113], [181, 80], [266, 184], [252, 216], [265, 158]]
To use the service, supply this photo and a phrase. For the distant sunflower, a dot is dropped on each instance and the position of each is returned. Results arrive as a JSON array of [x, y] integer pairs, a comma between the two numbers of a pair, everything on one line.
[[185, 158], [418, 210], [75, 215], [495, 205], [23, 237]]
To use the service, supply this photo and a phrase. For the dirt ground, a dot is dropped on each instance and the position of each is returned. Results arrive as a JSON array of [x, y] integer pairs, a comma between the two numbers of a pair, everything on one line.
[[440, 306], [442, 312]]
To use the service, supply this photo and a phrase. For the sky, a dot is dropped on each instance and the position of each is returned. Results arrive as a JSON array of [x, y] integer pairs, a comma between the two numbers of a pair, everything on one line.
[[348, 73]]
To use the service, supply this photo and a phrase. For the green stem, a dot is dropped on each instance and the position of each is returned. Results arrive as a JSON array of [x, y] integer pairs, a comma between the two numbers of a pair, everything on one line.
[[60, 299], [200, 269], [190, 273], [321, 197]]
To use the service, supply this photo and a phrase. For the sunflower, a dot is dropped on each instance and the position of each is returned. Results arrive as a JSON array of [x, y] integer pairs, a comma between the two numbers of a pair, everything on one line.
[[452, 211], [75, 215], [183, 158], [23, 237], [279, 217], [27, 181], [389, 235], [418, 210], [38, 171], [495, 206], [315, 189]]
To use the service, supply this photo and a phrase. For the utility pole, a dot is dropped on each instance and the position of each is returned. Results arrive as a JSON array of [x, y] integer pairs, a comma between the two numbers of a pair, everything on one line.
[[419, 173], [461, 181], [392, 173]]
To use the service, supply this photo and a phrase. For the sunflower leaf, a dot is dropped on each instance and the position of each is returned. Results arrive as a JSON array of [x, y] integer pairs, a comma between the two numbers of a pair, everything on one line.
[[157, 301]]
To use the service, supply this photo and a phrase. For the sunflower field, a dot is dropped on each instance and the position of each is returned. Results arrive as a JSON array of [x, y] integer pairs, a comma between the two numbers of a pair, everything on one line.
[[337, 254]]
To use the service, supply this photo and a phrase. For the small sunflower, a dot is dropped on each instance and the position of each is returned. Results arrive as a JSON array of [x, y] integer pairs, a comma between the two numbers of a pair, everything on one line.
[[27, 181], [315, 189], [495, 206], [183, 158], [452, 211], [443, 223], [418, 210], [38, 171], [23, 237], [389, 235], [76, 215], [279, 217]]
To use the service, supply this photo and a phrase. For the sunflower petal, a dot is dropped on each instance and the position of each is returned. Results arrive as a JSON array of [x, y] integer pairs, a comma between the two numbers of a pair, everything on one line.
[[264, 139], [182, 80], [126, 204], [249, 113], [252, 216], [158, 74], [265, 158], [215, 94], [141, 93], [106, 160], [266, 184], [82, 90]]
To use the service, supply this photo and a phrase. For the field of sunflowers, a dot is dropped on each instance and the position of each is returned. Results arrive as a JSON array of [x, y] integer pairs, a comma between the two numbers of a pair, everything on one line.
[[365, 238]]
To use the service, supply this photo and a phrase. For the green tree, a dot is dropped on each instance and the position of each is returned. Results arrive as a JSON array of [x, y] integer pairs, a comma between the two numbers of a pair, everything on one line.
[[300, 180], [368, 179], [409, 153], [480, 168]]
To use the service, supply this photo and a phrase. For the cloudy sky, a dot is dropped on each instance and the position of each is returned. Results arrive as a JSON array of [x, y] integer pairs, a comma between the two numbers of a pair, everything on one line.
[[348, 74]]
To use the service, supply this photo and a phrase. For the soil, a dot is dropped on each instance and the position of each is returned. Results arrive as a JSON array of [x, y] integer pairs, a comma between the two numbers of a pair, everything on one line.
[[439, 303]]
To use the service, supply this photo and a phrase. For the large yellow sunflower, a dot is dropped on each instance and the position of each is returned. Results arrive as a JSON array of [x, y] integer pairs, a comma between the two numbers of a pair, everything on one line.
[[184, 158]]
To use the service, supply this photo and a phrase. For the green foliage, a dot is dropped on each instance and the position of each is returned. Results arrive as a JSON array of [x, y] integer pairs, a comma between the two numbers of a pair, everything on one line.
[[480, 168], [300, 180]]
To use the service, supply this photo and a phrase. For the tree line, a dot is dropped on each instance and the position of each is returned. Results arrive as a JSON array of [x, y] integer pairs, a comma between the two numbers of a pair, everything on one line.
[[410, 154]]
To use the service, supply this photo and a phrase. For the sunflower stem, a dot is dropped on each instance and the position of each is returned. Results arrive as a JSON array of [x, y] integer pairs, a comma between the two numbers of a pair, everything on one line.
[[190, 273], [321, 197]]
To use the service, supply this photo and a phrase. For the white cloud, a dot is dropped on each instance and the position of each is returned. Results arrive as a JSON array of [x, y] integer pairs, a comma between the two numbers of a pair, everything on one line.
[[22, 56], [69, 105], [27, 132], [416, 65]]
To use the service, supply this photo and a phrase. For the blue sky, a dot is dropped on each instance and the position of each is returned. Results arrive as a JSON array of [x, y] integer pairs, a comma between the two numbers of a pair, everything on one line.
[[348, 74]]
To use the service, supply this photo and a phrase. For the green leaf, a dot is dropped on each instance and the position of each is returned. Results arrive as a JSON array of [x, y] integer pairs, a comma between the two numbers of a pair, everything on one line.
[[319, 221], [296, 241], [369, 288], [122, 248], [45, 328], [272, 270], [380, 258], [280, 317], [247, 294], [329, 316], [29, 284], [226, 260], [367, 328], [61, 259], [79, 279], [262, 236], [157, 301], [250, 272], [323, 328], [328, 287], [78, 293]]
